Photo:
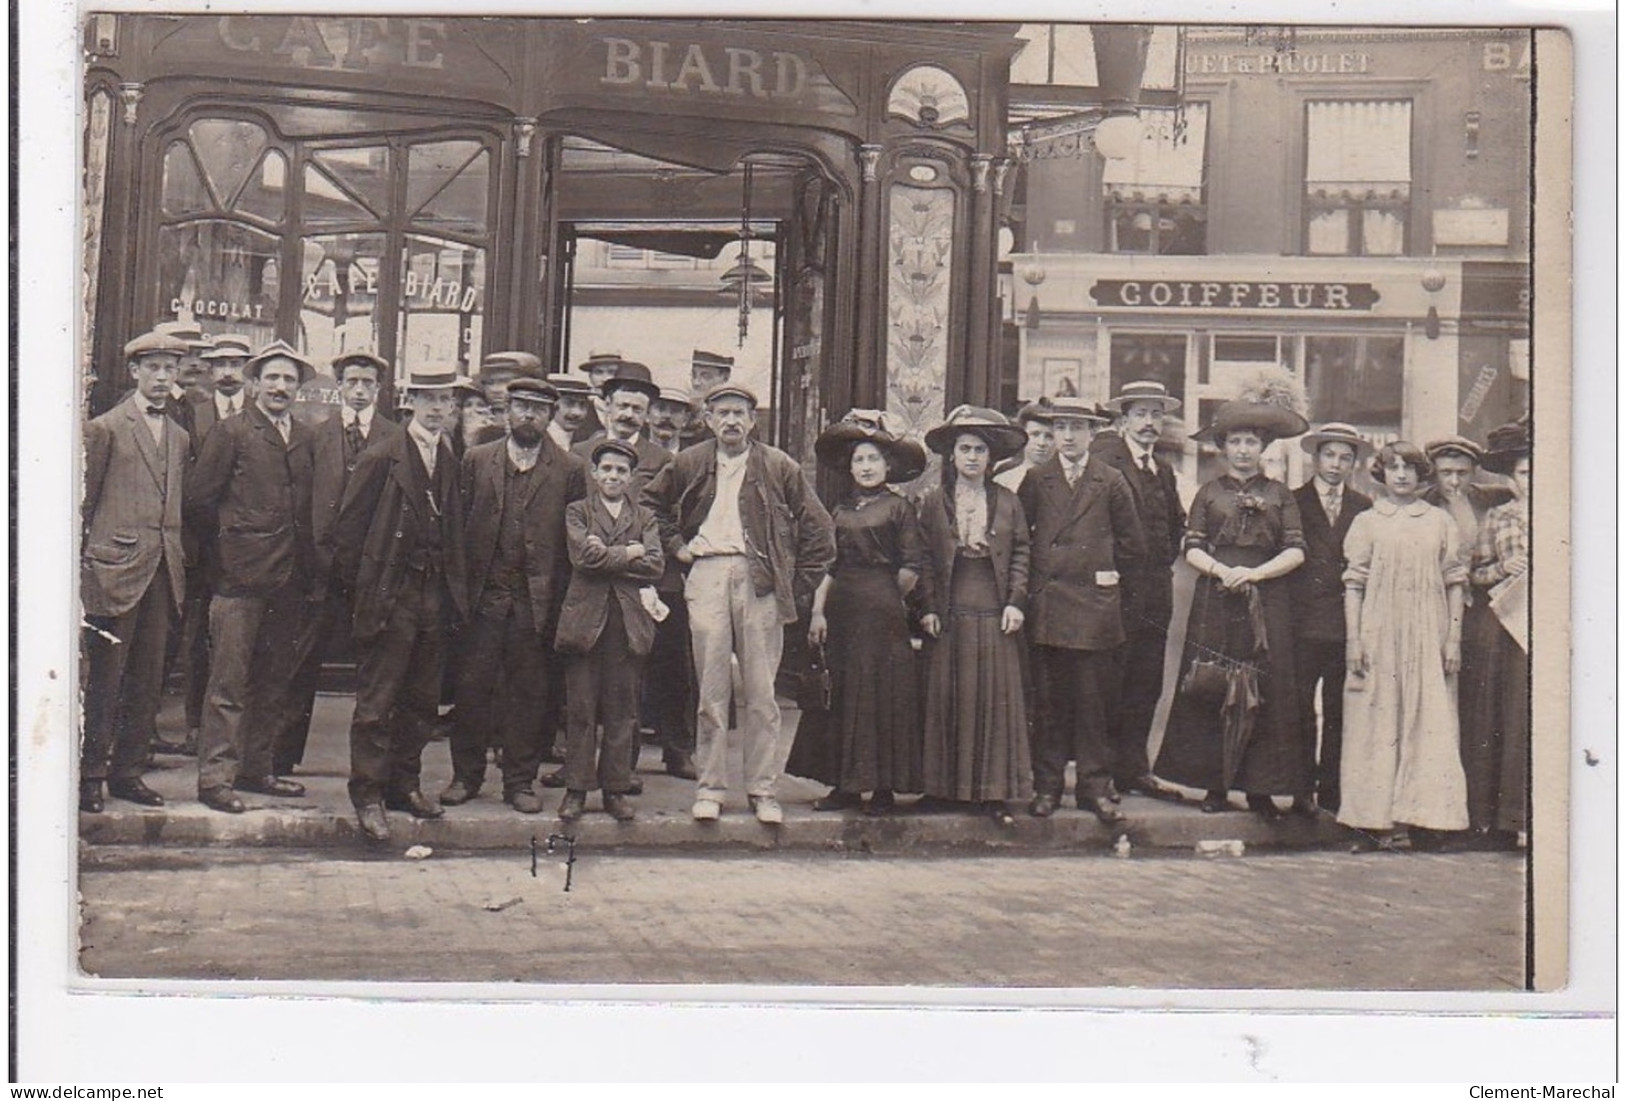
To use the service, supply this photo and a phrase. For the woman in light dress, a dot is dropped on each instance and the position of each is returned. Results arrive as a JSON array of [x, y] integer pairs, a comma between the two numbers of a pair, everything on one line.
[[1403, 597]]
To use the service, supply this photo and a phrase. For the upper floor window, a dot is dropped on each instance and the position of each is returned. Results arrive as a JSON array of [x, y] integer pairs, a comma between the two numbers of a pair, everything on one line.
[[1155, 200], [1357, 177]]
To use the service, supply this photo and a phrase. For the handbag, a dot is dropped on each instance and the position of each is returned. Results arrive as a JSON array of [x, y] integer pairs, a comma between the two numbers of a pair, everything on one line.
[[1205, 680], [816, 688]]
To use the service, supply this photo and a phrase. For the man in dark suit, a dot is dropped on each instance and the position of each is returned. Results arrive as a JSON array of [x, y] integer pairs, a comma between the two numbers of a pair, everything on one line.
[[514, 493], [336, 447], [1085, 533], [132, 580], [1147, 588], [398, 548], [251, 485], [1328, 506], [226, 361]]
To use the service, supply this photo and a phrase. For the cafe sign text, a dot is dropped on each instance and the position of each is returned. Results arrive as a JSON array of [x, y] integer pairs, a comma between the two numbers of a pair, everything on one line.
[[1233, 295], [710, 69]]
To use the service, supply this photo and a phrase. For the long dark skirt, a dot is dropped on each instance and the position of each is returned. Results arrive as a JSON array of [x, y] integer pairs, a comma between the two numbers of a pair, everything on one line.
[[871, 738], [1495, 723], [976, 747], [1219, 625]]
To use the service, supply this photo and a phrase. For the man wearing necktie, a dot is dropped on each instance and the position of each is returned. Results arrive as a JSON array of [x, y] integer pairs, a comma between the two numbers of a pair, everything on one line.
[[1328, 506], [1085, 535], [1141, 408], [251, 486], [132, 581], [336, 447], [398, 549]]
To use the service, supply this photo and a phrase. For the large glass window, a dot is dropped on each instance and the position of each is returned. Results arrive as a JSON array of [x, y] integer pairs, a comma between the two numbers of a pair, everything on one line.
[[1155, 200], [1357, 379], [1357, 177]]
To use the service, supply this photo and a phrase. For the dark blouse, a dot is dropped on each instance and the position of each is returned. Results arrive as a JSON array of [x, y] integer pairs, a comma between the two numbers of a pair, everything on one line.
[[1259, 512], [877, 530]]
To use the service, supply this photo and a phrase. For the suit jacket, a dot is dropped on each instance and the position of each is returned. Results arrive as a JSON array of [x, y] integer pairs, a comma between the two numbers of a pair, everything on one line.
[[1317, 585], [556, 480], [252, 492], [1082, 534], [790, 537], [385, 513], [604, 572], [1009, 545], [200, 416], [132, 510], [1113, 450], [332, 472]]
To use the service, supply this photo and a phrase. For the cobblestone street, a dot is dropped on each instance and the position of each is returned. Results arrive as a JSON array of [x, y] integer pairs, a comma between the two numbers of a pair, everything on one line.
[[1301, 920]]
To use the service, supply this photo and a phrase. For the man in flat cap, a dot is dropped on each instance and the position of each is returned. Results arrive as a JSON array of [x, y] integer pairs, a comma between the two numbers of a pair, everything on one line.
[[398, 549], [575, 405], [756, 541], [132, 580], [336, 447], [599, 367], [251, 485], [497, 370], [514, 494], [669, 417], [706, 371]]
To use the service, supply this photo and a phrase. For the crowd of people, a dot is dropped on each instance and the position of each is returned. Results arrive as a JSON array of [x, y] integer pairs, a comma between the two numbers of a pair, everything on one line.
[[572, 559]]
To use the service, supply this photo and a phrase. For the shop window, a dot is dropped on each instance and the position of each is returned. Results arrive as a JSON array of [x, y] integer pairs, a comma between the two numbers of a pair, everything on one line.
[[447, 186], [442, 302], [1155, 200], [329, 203], [1158, 357], [228, 150], [362, 170], [1357, 177], [183, 192], [1357, 379], [338, 304], [222, 274], [1234, 359], [265, 194]]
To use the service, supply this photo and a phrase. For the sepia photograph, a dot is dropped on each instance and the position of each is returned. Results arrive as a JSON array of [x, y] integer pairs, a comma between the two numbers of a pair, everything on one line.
[[814, 509]]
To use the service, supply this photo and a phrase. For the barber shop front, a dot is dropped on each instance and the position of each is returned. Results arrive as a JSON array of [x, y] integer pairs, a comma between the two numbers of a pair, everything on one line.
[[432, 189]]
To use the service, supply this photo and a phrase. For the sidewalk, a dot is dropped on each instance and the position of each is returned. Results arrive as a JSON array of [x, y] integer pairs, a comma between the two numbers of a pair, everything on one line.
[[324, 817]]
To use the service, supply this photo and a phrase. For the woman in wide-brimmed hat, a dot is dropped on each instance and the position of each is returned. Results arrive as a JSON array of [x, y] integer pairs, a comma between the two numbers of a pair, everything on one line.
[[870, 739], [1495, 720], [975, 599], [1234, 722]]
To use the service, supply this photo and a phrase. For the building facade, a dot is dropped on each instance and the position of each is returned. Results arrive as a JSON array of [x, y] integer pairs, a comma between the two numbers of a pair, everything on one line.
[[1352, 205]]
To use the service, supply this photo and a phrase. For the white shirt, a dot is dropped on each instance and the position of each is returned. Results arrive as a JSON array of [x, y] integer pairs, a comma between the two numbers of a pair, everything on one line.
[[283, 426], [1331, 497], [723, 531], [1141, 456], [428, 444], [348, 416], [228, 406], [1073, 469], [560, 434], [155, 424], [1011, 479]]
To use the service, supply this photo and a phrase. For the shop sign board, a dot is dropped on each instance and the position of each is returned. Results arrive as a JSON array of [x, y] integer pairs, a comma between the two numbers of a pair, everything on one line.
[[1234, 295]]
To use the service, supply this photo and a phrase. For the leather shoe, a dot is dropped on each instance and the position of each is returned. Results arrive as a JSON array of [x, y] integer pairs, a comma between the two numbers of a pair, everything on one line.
[[91, 800], [1042, 806], [272, 785], [881, 803], [415, 803], [222, 799], [619, 807], [134, 791], [838, 800], [681, 765], [523, 800], [459, 792], [634, 786], [373, 823], [1103, 810], [1148, 785], [573, 806], [554, 779], [1215, 802], [1265, 808]]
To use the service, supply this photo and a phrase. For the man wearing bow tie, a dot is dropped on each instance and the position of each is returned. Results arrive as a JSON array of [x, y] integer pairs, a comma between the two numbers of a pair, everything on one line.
[[336, 445], [251, 486], [131, 575]]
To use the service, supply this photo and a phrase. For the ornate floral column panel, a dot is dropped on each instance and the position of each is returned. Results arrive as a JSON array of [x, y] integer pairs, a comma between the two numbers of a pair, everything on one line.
[[98, 144], [919, 297]]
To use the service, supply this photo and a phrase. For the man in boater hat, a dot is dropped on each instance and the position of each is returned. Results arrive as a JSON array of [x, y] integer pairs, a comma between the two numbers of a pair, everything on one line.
[[1140, 409], [398, 548]]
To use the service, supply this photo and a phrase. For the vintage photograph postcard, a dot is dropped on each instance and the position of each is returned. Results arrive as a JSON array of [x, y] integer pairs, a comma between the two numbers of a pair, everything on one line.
[[812, 508]]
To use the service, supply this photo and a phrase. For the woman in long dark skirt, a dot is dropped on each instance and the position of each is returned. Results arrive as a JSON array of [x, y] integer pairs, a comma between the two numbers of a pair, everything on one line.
[[978, 553], [871, 740], [1244, 536], [1495, 721]]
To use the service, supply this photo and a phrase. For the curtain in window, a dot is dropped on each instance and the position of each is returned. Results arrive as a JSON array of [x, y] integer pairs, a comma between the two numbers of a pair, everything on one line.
[[1359, 149], [1166, 167]]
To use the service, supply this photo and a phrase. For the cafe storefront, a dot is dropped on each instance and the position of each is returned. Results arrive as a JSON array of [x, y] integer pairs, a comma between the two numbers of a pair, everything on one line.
[[418, 187]]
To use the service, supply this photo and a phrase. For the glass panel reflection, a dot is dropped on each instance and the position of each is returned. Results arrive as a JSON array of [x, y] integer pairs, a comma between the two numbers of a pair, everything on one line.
[[222, 276], [338, 305], [442, 304], [327, 204], [228, 149], [364, 170], [265, 194], [447, 185], [184, 192]]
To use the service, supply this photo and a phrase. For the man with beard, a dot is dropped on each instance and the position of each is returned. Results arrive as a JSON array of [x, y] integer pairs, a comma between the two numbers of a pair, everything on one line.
[[514, 492], [131, 576], [1147, 585], [575, 405], [398, 548], [252, 484], [208, 407], [756, 541], [336, 448], [669, 417]]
